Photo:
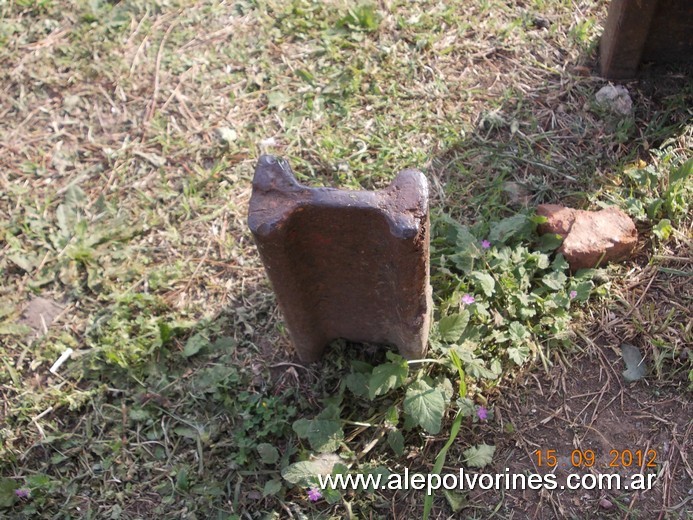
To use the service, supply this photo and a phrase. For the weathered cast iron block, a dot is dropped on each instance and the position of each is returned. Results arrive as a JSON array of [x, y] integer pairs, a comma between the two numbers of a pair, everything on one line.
[[345, 264]]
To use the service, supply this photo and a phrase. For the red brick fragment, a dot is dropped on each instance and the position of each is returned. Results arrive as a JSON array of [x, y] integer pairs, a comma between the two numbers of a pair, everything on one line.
[[590, 238]]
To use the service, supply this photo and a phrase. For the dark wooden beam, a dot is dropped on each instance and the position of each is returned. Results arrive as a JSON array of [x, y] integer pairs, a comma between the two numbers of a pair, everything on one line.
[[625, 35]]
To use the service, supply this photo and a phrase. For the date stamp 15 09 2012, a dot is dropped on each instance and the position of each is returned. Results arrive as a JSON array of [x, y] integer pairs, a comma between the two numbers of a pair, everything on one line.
[[625, 458]]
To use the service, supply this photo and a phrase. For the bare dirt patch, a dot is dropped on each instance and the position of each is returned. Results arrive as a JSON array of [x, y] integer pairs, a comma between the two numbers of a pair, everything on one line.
[[584, 407]]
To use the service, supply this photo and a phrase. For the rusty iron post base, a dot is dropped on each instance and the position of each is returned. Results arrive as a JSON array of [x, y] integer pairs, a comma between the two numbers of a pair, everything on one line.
[[345, 264]]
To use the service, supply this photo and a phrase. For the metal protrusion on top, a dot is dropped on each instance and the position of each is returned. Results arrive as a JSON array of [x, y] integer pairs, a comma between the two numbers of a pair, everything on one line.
[[345, 264]]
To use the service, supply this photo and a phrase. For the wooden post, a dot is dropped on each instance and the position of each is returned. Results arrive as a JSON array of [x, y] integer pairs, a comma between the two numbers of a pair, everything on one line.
[[625, 34], [646, 31]]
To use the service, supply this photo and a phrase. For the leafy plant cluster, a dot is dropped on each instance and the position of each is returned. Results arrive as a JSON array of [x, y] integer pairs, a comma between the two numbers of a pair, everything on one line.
[[660, 192], [502, 301], [82, 248]]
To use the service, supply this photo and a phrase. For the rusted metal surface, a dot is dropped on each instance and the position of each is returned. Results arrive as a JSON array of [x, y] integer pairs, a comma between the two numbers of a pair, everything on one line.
[[345, 264]]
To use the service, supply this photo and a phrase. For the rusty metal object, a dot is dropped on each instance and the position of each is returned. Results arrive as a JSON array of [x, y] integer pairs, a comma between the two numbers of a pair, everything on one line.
[[345, 264]]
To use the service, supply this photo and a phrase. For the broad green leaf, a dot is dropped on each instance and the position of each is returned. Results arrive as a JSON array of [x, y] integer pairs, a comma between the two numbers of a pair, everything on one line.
[[392, 415], [663, 229], [225, 343], [396, 441], [559, 263], [306, 471], [484, 281], [387, 376], [182, 481], [583, 291], [361, 367], [466, 407], [588, 274], [333, 408], [465, 241], [652, 209], [518, 227], [6, 310], [302, 472], [425, 405], [25, 262], [445, 386], [555, 280], [139, 414], [186, 431], [194, 345], [519, 354], [75, 196], [331, 496], [479, 456], [466, 248], [227, 134], [38, 481], [272, 487], [542, 260], [463, 261], [456, 500], [268, 453], [324, 435], [473, 365], [451, 327], [7, 489], [165, 332], [517, 332], [549, 242], [635, 208], [358, 384], [210, 379]]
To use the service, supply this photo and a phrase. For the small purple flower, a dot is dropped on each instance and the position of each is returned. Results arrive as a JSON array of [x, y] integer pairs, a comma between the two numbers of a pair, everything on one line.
[[482, 413], [314, 494], [485, 244], [573, 294], [22, 493], [468, 299]]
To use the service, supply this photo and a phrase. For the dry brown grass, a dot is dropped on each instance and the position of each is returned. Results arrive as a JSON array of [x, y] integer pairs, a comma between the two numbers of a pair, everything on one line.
[[157, 111]]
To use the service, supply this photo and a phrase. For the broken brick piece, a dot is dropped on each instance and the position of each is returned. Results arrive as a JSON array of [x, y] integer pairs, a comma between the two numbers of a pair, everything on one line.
[[345, 264], [590, 238]]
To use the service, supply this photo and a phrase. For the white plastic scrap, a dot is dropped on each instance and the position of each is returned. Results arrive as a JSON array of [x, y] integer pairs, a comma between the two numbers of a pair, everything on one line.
[[63, 357]]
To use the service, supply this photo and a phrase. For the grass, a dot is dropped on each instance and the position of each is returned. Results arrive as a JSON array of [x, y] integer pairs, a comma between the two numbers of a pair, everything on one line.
[[129, 136]]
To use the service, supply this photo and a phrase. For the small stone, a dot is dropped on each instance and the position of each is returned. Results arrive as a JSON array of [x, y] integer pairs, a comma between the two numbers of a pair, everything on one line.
[[517, 194], [605, 503], [541, 23], [227, 134], [616, 98], [590, 238]]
